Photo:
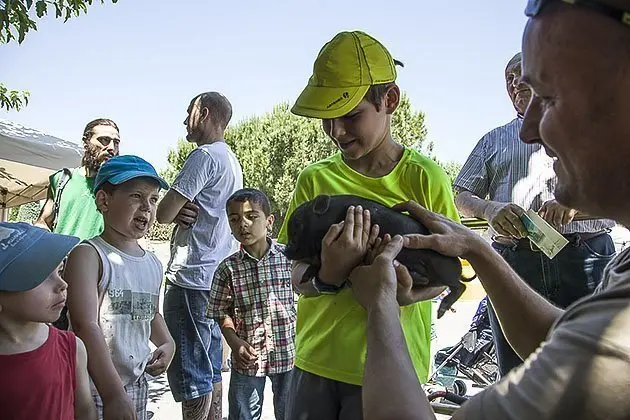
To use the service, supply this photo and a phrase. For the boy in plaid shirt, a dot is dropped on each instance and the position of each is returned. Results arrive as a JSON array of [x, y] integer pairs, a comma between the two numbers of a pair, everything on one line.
[[252, 299]]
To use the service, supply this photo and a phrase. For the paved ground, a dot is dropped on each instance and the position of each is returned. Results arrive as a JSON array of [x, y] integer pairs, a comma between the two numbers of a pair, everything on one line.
[[449, 331]]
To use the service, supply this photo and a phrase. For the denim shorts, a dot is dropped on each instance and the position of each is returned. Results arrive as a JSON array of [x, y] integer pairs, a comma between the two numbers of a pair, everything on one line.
[[199, 350]]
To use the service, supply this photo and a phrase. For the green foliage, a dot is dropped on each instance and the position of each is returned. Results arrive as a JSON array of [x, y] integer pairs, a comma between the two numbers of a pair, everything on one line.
[[451, 168], [160, 232], [13, 214], [25, 213], [16, 16], [176, 158], [12, 99], [275, 147]]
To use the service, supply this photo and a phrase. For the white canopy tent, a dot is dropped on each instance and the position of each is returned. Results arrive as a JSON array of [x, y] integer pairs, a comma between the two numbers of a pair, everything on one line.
[[27, 158]]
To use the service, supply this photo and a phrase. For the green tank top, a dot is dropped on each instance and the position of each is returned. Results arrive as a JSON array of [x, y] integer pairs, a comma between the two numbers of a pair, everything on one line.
[[78, 215]]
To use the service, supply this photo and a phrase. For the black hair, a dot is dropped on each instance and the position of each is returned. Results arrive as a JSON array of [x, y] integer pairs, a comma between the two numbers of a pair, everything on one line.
[[252, 195], [376, 93], [89, 128], [219, 107]]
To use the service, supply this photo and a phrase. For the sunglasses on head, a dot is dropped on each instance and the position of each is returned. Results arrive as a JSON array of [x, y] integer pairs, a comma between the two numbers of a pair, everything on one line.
[[535, 6]]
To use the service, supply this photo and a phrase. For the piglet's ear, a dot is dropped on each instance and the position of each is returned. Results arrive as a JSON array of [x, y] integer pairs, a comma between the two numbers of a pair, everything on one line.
[[321, 203]]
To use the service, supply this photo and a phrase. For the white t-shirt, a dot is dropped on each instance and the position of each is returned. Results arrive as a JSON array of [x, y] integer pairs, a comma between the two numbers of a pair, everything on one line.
[[210, 175], [582, 370]]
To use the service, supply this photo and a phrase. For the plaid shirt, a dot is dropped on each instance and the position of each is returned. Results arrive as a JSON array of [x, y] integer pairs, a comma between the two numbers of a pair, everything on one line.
[[258, 296]]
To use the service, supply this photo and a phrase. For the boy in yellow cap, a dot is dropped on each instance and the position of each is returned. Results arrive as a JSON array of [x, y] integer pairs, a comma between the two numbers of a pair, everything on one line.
[[353, 91]]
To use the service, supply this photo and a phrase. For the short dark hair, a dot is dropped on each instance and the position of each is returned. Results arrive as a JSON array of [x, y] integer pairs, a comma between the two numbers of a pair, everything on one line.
[[218, 105], [252, 195], [376, 93], [89, 128]]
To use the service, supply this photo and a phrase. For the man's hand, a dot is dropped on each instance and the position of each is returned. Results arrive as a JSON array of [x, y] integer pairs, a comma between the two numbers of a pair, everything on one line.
[[244, 355], [187, 215], [447, 237], [376, 284], [161, 359], [120, 407], [346, 245], [406, 292], [505, 219], [556, 214]]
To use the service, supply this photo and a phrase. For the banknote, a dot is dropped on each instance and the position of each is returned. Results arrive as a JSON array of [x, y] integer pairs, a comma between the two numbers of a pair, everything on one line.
[[543, 235]]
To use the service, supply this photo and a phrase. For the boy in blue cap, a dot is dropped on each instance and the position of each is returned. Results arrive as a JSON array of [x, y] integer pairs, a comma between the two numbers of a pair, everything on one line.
[[44, 370], [114, 285]]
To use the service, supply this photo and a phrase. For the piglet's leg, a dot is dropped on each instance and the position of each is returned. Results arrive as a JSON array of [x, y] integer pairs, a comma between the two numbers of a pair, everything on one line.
[[455, 293]]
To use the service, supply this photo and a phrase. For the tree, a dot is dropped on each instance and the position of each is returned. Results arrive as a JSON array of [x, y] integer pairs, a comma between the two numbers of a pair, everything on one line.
[[275, 147], [16, 20], [451, 168], [12, 99]]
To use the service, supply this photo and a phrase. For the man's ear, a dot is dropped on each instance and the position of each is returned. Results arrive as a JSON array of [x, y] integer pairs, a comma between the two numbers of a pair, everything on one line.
[[392, 99], [204, 114], [321, 203], [102, 200]]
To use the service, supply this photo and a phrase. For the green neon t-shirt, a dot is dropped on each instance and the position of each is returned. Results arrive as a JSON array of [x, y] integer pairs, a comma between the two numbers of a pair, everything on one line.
[[331, 329]]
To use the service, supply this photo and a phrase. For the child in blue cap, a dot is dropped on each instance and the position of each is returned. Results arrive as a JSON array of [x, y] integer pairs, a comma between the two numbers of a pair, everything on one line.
[[113, 291], [43, 370]]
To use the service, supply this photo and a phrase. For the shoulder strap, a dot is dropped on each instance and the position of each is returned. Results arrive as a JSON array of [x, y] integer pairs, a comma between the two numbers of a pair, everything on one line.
[[65, 176], [100, 285]]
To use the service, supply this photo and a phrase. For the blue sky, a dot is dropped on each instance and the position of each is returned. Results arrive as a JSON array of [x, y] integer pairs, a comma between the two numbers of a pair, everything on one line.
[[140, 62]]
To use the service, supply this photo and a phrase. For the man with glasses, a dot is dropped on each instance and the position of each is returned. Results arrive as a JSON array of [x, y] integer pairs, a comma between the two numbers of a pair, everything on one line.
[[576, 60]]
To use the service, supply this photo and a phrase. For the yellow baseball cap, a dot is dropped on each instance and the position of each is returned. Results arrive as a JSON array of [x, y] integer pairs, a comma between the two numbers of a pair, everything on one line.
[[343, 72]]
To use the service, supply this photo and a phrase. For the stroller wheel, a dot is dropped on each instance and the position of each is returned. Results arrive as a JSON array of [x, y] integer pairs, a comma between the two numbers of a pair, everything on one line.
[[459, 387]]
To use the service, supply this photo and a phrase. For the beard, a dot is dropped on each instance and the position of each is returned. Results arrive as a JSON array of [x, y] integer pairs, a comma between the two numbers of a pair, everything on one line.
[[92, 159]]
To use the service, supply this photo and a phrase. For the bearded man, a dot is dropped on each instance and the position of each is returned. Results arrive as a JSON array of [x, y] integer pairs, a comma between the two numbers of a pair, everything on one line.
[[70, 208]]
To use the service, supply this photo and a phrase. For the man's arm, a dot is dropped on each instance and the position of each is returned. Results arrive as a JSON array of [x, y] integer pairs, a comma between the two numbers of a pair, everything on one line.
[[525, 316], [199, 171], [84, 408], [45, 219], [82, 275], [389, 373], [470, 205], [170, 206], [504, 218]]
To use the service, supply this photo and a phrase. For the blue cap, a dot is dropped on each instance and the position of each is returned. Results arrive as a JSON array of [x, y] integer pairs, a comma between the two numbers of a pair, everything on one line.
[[123, 168], [29, 254]]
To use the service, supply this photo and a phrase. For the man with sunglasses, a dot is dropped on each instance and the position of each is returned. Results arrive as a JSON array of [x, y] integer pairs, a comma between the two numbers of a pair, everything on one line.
[[576, 60]]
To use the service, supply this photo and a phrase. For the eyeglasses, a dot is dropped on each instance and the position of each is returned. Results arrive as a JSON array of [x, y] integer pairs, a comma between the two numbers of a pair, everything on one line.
[[535, 6]]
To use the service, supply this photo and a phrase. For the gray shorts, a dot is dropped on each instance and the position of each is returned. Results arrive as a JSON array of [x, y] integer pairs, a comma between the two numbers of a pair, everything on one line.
[[313, 397]]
